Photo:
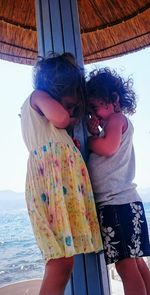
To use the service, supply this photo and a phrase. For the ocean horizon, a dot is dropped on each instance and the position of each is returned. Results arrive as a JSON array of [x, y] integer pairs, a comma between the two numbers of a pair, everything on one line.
[[20, 258]]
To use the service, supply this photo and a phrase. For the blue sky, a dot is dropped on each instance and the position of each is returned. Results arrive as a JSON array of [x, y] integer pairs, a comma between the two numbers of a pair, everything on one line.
[[16, 85]]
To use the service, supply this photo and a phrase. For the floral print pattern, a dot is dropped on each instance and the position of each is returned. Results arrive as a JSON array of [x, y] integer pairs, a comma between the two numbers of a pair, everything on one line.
[[109, 245], [108, 235], [60, 202], [124, 231], [135, 239]]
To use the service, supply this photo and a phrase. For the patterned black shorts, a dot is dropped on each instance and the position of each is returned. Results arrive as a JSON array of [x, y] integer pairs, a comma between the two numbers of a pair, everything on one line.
[[124, 231]]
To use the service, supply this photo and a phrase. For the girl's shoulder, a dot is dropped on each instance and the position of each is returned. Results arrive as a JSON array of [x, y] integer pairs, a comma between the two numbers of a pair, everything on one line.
[[119, 119]]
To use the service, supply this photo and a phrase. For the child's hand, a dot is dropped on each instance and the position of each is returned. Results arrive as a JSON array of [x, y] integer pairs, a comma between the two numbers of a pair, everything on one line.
[[92, 125], [101, 123]]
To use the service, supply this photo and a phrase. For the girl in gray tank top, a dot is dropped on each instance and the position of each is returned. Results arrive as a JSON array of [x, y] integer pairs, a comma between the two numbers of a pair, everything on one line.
[[112, 170]]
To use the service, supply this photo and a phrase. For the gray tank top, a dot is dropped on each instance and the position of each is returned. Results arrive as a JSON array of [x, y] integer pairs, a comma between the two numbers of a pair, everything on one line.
[[112, 177]]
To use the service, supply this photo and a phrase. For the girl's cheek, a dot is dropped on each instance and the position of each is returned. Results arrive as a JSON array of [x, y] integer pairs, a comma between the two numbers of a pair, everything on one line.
[[99, 112]]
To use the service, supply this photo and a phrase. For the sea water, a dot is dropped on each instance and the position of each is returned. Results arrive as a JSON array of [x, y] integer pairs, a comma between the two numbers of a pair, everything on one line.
[[20, 258]]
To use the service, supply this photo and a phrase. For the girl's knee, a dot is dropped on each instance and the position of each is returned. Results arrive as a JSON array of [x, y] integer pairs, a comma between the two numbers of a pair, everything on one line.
[[67, 264], [56, 276], [143, 267], [61, 266], [140, 261], [126, 267]]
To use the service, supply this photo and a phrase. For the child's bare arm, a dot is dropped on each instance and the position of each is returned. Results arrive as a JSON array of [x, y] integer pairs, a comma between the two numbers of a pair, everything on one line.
[[50, 108], [110, 142]]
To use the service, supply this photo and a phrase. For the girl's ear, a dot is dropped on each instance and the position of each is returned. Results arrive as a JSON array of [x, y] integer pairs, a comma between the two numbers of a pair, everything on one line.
[[115, 97], [116, 102]]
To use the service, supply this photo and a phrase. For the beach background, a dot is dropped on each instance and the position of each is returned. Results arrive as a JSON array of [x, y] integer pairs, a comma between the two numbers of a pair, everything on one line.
[[20, 258]]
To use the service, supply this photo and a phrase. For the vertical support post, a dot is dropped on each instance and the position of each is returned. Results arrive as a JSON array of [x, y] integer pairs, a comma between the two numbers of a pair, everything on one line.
[[58, 27], [58, 31]]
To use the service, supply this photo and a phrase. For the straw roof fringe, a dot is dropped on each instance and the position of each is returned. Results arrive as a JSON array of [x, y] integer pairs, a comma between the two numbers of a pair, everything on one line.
[[108, 29]]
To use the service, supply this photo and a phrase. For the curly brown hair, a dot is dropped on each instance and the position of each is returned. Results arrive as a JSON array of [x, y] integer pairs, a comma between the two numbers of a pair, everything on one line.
[[107, 85]]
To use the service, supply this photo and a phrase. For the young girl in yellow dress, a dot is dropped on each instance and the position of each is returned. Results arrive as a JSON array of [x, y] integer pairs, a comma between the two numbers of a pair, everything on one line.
[[58, 190]]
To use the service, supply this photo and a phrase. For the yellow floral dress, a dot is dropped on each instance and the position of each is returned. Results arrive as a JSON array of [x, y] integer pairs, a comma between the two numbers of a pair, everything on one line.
[[58, 190]]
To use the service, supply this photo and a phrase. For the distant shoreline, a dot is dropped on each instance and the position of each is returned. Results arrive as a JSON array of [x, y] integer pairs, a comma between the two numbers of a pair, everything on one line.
[[10, 200]]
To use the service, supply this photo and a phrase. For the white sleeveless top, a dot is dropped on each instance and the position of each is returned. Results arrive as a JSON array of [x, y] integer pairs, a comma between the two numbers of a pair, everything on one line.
[[112, 177]]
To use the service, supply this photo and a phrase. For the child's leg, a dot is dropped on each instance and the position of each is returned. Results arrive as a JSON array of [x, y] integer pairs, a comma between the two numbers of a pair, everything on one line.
[[57, 274], [145, 273], [131, 277]]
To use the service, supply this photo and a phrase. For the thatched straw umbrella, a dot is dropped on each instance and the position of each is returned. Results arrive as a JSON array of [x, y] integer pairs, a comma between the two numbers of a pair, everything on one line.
[[108, 29]]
